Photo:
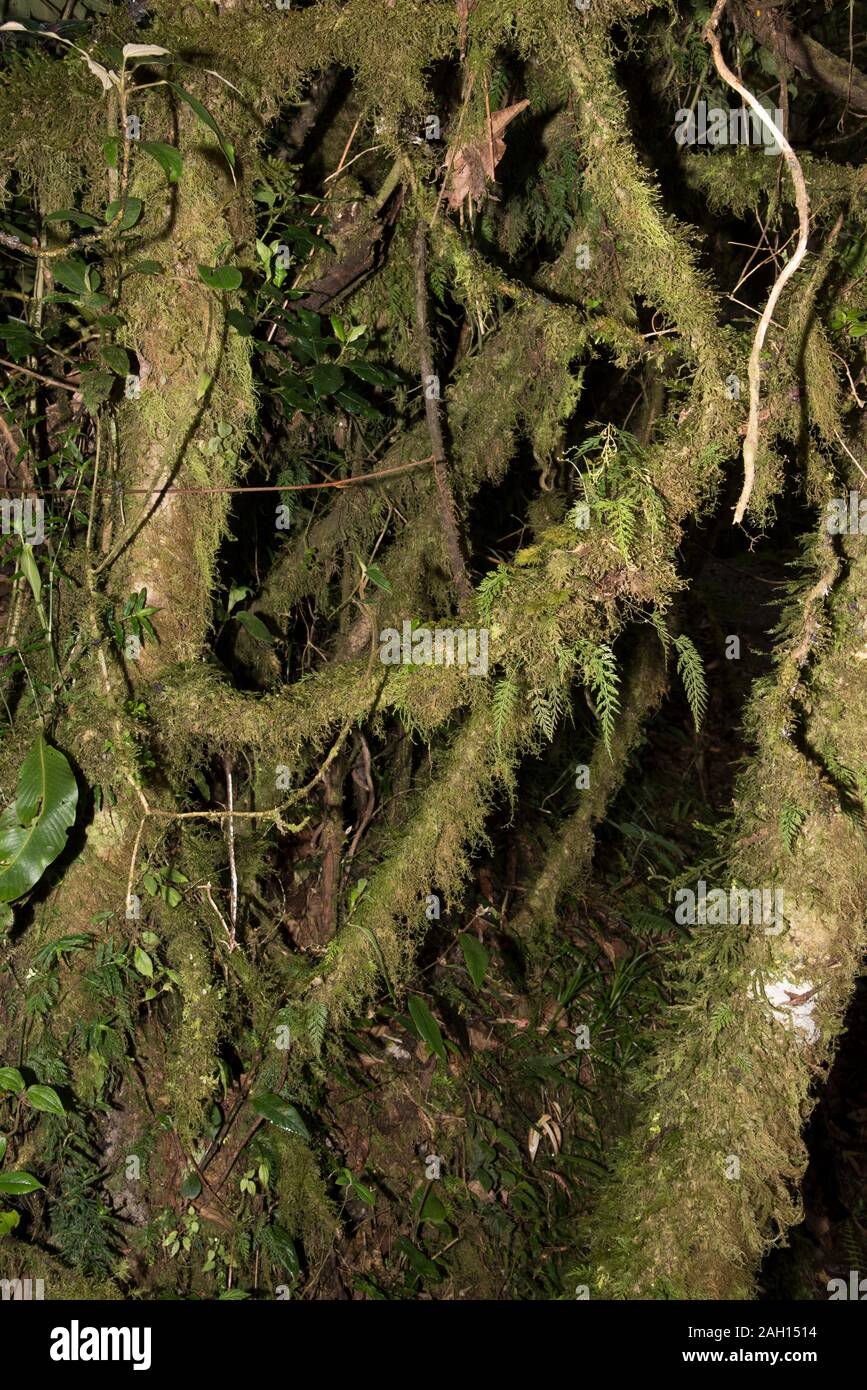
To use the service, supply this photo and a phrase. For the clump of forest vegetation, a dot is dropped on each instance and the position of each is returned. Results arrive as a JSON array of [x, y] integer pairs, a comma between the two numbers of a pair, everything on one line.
[[433, 526]]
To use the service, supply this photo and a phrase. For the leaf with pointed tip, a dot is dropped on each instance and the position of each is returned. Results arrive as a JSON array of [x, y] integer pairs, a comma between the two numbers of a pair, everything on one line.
[[34, 827]]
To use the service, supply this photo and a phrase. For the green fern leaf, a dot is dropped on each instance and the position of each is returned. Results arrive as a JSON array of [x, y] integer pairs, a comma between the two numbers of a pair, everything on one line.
[[691, 671]]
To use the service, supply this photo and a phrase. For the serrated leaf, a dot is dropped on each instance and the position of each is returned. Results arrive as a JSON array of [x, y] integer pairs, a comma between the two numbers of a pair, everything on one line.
[[426, 1026], [376, 576], [327, 378], [117, 358], [280, 1113], [475, 956], [34, 827], [95, 388], [166, 156], [45, 1098]]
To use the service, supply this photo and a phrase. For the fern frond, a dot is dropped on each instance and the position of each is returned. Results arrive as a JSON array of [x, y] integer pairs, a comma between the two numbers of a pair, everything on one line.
[[316, 1019], [662, 631], [690, 668], [544, 712], [504, 701], [791, 820], [489, 590], [603, 678]]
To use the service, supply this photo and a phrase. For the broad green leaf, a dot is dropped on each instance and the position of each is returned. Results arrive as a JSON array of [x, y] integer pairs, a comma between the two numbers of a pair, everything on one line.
[[147, 268], [117, 358], [19, 339], [166, 156], [74, 275], [361, 1191], [429, 1208], [8, 1221], [280, 1113], [95, 388], [475, 956], [11, 1080], [220, 277], [376, 576], [426, 1026], [17, 1184], [34, 827], [191, 1186], [73, 215], [254, 625], [45, 1098], [207, 119], [420, 1263], [375, 376], [143, 963], [240, 322], [131, 213], [3, 1143], [327, 378]]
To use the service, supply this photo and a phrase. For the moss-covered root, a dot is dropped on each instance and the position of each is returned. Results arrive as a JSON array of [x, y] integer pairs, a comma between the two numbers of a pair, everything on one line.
[[432, 857], [570, 856], [707, 1180], [23, 1261]]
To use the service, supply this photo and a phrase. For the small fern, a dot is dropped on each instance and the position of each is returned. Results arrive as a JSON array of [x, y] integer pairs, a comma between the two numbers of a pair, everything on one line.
[[690, 668], [722, 1016], [545, 712], [662, 632], [791, 820], [619, 515], [491, 587], [603, 678], [503, 704], [316, 1019]]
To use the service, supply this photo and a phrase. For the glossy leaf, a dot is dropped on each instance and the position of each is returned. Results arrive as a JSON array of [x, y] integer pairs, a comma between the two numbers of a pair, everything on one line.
[[45, 1098], [18, 1184], [280, 1113], [33, 829]]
